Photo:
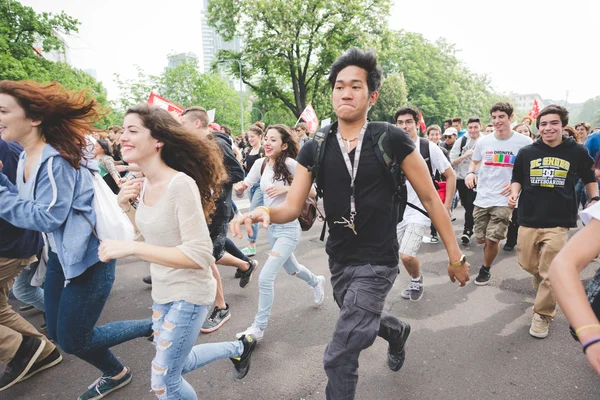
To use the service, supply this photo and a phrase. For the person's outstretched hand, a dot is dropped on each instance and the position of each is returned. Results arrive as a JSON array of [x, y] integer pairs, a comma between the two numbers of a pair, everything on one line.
[[249, 218]]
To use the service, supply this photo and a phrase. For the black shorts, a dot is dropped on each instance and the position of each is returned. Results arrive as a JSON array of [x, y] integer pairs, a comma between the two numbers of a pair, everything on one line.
[[218, 234]]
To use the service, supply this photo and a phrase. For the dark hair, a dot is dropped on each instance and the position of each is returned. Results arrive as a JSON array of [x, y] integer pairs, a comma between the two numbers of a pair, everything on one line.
[[504, 107], [104, 144], [115, 129], [489, 126], [585, 125], [474, 120], [457, 119], [554, 109], [66, 116], [433, 127], [226, 130], [256, 130], [365, 59], [280, 168], [448, 121], [197, 113], [412, 110], [186, 152]]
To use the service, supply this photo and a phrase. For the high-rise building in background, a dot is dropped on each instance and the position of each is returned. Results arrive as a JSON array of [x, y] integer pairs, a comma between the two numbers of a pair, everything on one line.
[[212, 42]]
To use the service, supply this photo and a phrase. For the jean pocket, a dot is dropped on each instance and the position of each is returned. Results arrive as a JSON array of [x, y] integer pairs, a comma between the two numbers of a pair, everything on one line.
[[368, 301], [384, 272]]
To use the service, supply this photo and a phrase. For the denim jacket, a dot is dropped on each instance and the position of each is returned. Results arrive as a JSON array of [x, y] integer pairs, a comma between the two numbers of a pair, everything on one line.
[[63, 196]]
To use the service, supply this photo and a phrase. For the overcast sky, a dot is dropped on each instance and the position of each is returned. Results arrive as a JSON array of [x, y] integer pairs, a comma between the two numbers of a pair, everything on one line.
[[525, 46]]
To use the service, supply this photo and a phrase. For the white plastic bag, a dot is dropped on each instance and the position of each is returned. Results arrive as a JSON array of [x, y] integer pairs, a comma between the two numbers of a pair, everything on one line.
[[111, 222]]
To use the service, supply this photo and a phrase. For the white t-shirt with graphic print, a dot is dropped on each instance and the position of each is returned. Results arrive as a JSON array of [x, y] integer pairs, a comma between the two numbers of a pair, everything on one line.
[[497, 161]]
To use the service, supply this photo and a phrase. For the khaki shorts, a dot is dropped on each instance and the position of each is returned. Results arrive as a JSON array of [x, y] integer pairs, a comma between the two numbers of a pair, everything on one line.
[[410, 237], [491, 223]]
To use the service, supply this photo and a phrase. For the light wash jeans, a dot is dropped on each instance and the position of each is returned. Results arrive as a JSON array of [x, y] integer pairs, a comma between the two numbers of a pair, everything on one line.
[[283, 239], [25, 292], [256, 200], [176, 327]]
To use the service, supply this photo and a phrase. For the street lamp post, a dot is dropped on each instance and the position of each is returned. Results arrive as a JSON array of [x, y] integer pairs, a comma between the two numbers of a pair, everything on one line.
[[241, 92]]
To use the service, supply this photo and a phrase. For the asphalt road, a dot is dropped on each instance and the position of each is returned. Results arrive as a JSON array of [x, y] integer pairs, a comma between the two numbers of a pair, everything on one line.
[[466, 343]]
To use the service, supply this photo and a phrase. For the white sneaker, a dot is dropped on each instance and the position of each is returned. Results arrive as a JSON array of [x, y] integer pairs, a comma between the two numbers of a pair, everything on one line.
[[319, 290], [252, 330]]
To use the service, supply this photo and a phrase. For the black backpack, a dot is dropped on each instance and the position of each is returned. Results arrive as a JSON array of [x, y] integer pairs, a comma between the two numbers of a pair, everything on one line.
[[383, 151]]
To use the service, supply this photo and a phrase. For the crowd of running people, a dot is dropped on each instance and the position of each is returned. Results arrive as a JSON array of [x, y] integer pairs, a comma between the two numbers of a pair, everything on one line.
[[385, 189]]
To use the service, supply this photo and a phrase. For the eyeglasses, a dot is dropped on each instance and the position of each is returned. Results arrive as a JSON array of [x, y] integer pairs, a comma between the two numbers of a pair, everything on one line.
[[407, 122]]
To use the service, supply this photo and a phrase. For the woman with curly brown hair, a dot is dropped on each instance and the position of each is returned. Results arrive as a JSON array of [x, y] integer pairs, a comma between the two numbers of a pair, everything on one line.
[[54, 194], [184, 175], [275, 173]]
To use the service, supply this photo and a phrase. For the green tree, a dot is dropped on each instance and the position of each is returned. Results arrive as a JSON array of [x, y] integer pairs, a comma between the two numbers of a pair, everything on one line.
[[590, 112], [289, 46], [392, 95], [437, 81], [25, 36], [186, 86]]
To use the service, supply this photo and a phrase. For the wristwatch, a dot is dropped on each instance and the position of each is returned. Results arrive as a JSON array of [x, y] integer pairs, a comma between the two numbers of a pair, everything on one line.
[[459, 263]]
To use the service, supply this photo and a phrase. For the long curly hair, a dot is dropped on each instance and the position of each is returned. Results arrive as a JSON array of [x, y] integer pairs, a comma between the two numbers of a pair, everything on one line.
[[66, 116], [280, 169], [186, 152]]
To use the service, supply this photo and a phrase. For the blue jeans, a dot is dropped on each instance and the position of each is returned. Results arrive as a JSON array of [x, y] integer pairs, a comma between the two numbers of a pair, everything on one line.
[[176, 327], [256, 200], [580, 194], [283, 239], [25, 292], [72, 312]]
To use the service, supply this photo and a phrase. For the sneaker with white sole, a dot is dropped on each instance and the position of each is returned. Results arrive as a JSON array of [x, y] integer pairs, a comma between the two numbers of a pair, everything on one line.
[[249, 251], [415, 290], [319, 290], [540, 326], [253, 331], [105, 385]]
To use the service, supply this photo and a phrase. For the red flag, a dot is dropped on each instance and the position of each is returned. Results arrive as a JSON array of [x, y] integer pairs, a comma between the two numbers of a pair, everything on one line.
[[422, 123], [535, 110], [310, 117], [156, 100]]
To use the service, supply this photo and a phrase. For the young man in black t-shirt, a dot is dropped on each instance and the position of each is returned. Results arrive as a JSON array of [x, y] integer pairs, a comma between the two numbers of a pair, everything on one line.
[[362, 247], [543, 183]]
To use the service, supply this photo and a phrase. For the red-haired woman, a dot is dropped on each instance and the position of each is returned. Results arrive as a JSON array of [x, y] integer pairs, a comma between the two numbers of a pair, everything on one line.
[[54, 194]]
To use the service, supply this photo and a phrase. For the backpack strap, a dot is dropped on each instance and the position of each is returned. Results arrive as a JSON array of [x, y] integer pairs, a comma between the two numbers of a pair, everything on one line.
[[262, 167], [463, 142], [424, 150], [321, 139]]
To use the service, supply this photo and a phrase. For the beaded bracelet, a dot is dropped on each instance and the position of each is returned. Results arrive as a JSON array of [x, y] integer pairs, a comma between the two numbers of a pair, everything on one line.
[[590, 342]]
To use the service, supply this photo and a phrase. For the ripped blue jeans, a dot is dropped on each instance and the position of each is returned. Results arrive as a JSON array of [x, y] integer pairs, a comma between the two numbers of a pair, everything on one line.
[[176, 327], [283, 239]]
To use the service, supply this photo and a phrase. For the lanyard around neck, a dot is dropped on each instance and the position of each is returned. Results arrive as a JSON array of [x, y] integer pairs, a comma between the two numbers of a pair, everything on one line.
[[352, 169]]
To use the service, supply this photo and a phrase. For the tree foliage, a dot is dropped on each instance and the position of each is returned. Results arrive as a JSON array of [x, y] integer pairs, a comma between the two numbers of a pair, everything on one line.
[[392, 95], [186, 86], [25, 36], [290, 45], [590, 112], [437, 81]]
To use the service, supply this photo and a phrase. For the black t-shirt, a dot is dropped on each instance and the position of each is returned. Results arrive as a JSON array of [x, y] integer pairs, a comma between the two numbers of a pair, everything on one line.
[[251, 158], [235, 172], [376, 215], [548, 176]]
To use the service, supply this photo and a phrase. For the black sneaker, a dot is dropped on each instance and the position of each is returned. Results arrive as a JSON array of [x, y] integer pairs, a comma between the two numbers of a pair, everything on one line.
[[238, 273], [396, 351], [508, 247], [466, 237], [484, 276], [241, 364], [216, 320], [26, 355], [147, 280], [434, 239], [247, 275], [50, 361], [44, 325], [26, 307]]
